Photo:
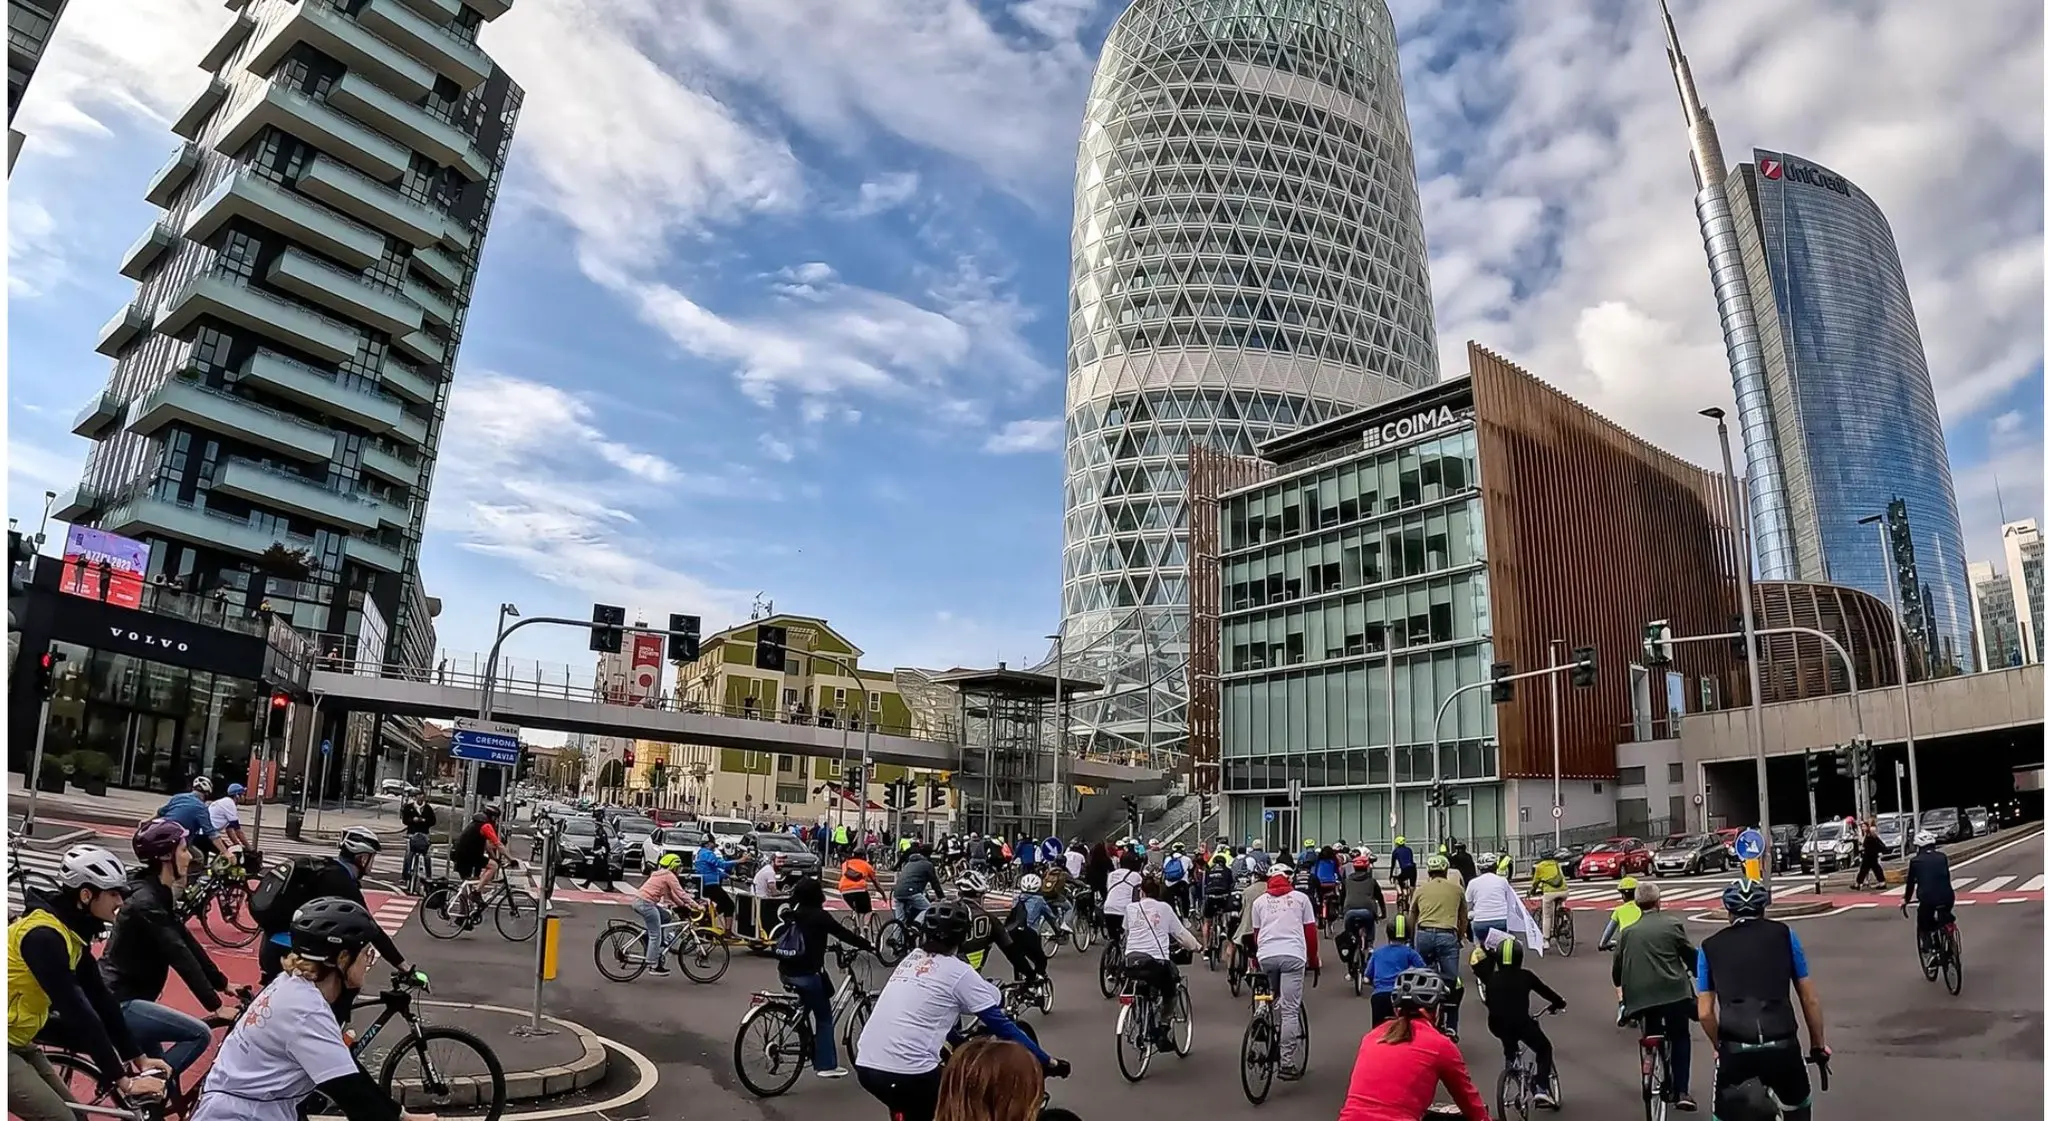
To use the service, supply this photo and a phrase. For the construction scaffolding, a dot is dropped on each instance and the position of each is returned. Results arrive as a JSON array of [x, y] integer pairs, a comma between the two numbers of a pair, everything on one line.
[[1211, 474], [1008, 719]]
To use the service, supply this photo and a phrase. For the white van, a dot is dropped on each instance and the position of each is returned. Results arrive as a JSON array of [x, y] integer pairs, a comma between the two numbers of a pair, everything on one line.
[[725, 830]]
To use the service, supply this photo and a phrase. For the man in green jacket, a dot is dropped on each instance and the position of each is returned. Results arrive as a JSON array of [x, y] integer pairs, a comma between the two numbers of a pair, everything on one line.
[[1653, 963]]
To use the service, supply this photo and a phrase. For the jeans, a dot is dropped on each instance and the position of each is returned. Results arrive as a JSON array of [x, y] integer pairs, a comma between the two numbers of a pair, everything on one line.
[[1285, 975], [416, 853], [908, 907], [1674, 1023], [1439, 949], [651, 918], [816, 995], [1035, 908], [154, 1025]]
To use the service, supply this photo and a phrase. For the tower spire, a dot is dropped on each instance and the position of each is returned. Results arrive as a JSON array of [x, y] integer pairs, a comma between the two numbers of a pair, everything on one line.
[[1707, 164]]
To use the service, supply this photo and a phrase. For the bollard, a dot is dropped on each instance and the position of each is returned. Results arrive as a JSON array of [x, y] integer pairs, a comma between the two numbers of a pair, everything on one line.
[[551, 946]]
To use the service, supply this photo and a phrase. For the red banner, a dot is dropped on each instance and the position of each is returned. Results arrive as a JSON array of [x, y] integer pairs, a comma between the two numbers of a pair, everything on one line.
[[644, 679]]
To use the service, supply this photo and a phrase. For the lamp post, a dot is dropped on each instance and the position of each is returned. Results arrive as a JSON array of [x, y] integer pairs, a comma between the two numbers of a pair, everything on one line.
[[1898, 606], [469, 772], [867, 732], [1059, 718], [1740, 511], [1556, 756]]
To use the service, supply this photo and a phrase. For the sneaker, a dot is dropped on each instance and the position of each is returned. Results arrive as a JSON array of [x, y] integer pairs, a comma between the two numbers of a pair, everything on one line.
[[1685, 1104], [835, 1072], [661, 971], [1541, 1099]]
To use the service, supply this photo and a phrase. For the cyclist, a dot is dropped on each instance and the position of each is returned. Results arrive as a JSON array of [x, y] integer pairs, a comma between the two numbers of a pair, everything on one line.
[[419, 821], [1219, 897], [1363, 904], [1386, 965], [1507, 983], [918, 1009], [713, 865], [916, 882], [1653, 963], [1749, 975], [190, 810], [148, 941], [1175, 871], [1286, 944], [1401, 1062], [336, 877], [1462, 863], [51, 970], [661, 889], [1016, 939], [1403, 859], [1547, 881], [1056, 887], [1121, 888], [289, 1044], [1152, 928], [1927, 876], [476, 854], [1624, 916], [1438, 914], [800, 962], [226, 817], [1031, 899], [856, 876]]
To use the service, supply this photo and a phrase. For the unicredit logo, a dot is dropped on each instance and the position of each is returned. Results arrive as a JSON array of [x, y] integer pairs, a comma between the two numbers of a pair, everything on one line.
[[1803, 173], [1771, 169]]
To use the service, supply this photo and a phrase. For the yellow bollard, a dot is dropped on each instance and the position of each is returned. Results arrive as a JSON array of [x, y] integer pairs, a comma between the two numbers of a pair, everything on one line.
[[551, 934], [1753, 869]]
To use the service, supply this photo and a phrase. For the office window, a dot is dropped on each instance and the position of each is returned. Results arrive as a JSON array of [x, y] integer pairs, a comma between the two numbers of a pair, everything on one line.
[[1677, 773], [1631, 776]]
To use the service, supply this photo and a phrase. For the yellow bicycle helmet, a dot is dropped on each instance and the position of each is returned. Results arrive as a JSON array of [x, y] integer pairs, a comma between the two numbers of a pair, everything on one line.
[[1438, 862], [1627, 886], [669, 860]]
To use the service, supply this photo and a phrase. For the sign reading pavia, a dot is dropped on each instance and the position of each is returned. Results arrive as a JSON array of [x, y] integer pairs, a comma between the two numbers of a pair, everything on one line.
[[148, 639], [1417, 424]]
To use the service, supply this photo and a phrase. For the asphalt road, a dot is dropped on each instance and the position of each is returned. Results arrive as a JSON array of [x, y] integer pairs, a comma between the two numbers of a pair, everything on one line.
[[1904, 1047]]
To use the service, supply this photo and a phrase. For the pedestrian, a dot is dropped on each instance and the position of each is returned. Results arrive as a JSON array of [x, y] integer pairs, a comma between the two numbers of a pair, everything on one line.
[[1873, 852]]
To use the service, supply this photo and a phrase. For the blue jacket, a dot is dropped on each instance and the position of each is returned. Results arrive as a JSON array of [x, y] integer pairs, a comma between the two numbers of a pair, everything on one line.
[[1027, 853], [1404, 857], [1390, 961], [711, 867], [189, 810]]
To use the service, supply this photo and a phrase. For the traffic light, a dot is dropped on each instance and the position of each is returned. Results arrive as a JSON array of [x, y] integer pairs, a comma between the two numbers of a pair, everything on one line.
[[1657, 643], [628, 757], [683, 647], [771, 642], [46, 674], [1812, 769], [1583, 667], [1437, 798], [853, 778], [280, 706], [892, 795], [1503, 691], [607, 636], [1737, 644], [938, 797]]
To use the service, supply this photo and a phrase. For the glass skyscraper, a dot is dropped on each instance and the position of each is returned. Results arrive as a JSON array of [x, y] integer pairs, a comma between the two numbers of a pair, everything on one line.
[[1248, 258]]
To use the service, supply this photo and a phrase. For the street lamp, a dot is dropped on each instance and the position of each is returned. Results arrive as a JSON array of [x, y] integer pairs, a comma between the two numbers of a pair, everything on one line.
[[1896, 602], [1059, 718], [1739, 511]]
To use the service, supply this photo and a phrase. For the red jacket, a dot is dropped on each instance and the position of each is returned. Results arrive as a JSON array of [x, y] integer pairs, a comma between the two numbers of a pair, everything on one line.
[[1397, 1081]]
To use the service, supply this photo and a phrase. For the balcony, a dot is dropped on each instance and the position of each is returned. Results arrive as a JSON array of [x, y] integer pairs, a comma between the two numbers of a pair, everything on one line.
[[320, 390], [76, 504], [490, 9], [121, 330], [318, 124], [276, 489], [268, 204], [446, 52], [234, 35], [147, 249], [172, 175], [398, 467], [409, 383], [195, 114], [371, 202], [436, 11], [145, 515], [372, 555], [457, 236], [303, 274], [412, 429], [98, 416], [428, 134], [438, 266], [230, 300], [352, 44], [437, 307], [422, 346], [183, 401]]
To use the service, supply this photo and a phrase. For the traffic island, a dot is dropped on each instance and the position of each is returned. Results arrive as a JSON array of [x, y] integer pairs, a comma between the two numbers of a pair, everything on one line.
[[1788, 910], [569, 1059]]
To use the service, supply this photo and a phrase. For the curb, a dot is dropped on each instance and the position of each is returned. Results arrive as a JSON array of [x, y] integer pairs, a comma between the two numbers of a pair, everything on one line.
[[1777, 911], [520, 1085], [58, 842]]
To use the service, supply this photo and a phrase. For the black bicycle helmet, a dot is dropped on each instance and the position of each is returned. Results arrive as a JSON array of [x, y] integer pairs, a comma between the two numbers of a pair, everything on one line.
[[328, 926], [947, 924], [1748, 1101], [1419, 988]]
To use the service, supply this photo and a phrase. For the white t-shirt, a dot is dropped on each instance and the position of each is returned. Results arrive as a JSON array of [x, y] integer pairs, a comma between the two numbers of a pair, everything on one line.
[[1123, 887], [923, 1001], [1279, 921], [287, 1043], [764, 880], [1150, 927], [1490, 898], [1075, 862], [223, 813]]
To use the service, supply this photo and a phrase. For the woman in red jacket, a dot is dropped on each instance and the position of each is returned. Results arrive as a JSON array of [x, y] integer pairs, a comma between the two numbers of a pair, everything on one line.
[[1401, 1062]]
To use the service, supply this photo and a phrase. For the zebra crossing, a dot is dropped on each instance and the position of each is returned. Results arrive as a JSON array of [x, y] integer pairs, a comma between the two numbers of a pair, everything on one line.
[[391, 911], [1988, 885]]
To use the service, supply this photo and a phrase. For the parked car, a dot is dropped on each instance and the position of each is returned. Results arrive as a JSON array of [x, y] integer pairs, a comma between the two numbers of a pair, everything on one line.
[[1980, 821], [1727, 838], [1690, 854], [797, 858], [1946, 824], [394, 788], [1616, 857], [1785, 844], [683, 840], [629, 833], [1828, 844], [1893, 831], [1567, 859]]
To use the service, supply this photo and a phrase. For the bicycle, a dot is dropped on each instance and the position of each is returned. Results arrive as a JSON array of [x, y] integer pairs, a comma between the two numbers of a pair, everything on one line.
[[1941, 955], [1259, 1056], [1657, 1093], [218, 898], [1142, 1021], [1110, 974], [82, 1076], [1563, 933], [1052, 937], [1020, 997], [1353, 951], [784, 1027], [895, 939], [620, 949], [454, 907], [438, 1082], [1216, 942], [1516, 1091]]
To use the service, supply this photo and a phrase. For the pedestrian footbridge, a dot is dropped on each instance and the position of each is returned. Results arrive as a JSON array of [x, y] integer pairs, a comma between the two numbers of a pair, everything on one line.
[[556, 707]]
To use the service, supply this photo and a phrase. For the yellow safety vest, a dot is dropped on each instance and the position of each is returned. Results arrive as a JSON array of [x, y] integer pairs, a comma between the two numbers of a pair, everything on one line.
[[1625, 916], [28, 1006], [1550, 878]]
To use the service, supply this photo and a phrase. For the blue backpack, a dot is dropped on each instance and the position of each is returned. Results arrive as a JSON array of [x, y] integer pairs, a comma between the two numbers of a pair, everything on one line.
[[1176, 869]]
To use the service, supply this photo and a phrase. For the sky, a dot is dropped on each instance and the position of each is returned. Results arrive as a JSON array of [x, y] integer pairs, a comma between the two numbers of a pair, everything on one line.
[[774, 301]]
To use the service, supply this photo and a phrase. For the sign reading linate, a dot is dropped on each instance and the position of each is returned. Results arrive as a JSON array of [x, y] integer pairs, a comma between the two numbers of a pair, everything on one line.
[[1415, 424]]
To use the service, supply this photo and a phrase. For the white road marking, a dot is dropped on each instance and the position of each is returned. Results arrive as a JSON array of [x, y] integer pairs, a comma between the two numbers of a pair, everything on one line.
[[2015, 899], [2031, 835], [643, 1085], [2032, 885], [1897, 891], [1994, 883], [1964, 902]]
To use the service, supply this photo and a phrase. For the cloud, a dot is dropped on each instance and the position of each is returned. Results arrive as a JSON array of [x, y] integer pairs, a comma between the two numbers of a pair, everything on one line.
[[779, 450], [112, 59], [884, 193], [36, 249], [1026, 436], [2006, 425]]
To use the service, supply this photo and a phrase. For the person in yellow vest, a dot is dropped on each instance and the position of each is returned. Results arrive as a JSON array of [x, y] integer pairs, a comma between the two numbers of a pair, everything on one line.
[[50, 969], [1548, 881], [840, 844], [1624, 916]]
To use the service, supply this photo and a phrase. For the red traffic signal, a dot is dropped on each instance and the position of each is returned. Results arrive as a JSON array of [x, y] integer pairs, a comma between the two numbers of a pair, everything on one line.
[[279, 704], [280, 701], [629, 757], [46, 674]]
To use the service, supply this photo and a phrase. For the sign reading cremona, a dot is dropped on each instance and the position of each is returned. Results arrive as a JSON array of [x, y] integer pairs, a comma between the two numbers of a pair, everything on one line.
[[1413, 425]]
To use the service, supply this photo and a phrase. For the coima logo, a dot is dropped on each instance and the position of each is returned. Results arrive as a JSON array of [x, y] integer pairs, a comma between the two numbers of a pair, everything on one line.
[[149, 639], [1802, 173], [1428, 420]]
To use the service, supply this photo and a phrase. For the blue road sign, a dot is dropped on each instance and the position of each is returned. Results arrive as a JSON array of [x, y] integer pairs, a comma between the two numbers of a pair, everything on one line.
[[485, 747], [1270, 815], [1749, 845], [326, 747]]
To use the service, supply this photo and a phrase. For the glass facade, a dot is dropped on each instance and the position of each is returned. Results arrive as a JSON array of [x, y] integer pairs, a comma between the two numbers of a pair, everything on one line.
[[155, 724], [1248, 258], [1330, 577], [1849, 399]]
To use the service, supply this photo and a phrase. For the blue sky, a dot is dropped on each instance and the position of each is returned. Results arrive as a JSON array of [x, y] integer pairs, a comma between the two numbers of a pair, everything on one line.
[[774, 300]]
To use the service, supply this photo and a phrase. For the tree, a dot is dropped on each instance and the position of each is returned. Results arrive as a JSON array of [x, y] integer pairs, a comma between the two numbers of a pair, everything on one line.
[[285, 562]]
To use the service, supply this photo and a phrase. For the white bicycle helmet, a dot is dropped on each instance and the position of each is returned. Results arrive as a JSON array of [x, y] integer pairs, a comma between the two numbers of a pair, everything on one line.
[[203, 786], [356, 841], [972, 883], [1925, 839], [1280, 868], [1030, 883], [91, 866]]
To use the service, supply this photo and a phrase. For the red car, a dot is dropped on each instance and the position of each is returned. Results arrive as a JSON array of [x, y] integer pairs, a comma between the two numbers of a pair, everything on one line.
[[1616, 857]]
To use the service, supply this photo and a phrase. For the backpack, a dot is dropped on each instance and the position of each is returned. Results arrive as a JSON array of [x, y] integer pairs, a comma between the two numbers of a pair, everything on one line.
[[282, 891], [789, 943], [1176, 869]]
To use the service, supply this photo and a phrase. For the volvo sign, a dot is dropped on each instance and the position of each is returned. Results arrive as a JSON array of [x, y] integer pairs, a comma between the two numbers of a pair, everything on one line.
[[1415, 424]]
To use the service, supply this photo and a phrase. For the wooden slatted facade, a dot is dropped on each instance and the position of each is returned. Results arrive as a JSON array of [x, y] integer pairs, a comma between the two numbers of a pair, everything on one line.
[[1210, 474]]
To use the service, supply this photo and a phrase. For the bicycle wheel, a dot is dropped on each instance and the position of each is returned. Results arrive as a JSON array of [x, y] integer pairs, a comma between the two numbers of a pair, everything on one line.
[[451, 1069], [1566, 935], [1952, 964], [1656, 1076], [437, 914], [856, 1019], [1257, 1058], [621, 953], [1301, 1014], [1045, 994], [518, 915], [1110, 974], [1048, 939], [226, 920], [774, 1035], [892, 942], [1134, 1039], [1180, 1022], [80, 1076], [702, 959], [1084, 936]]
